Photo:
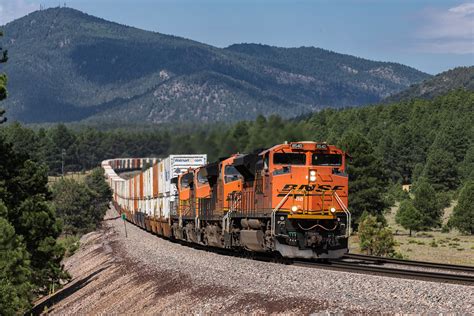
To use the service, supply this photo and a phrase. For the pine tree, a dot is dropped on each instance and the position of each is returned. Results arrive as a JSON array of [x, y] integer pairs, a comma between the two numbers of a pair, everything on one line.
[[24, 140], [453, 137], [64, 148], [463, 214], [101, 193], [73, 204], [240, 134], [15, 270], [466, 169], [82, 206], [408, 216], [3, 81], [427, 203], [25, 194], [441, 170], [368, 180], [257, 134]]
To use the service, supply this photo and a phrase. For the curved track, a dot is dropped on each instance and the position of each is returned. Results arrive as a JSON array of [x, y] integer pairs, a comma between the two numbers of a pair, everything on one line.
[[355, 263], [380, 260], [362, 267]]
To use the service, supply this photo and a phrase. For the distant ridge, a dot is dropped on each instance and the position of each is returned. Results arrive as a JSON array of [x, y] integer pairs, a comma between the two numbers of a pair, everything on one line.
[[66, 66], [457, 78]]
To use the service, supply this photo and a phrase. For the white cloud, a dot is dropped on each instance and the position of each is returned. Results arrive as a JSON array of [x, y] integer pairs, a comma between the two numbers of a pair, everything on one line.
[[448, 31], [13, 9]]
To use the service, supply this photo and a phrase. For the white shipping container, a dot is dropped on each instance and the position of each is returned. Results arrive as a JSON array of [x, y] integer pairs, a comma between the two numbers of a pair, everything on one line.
[[173, 166], [166, 176], [168, 168], [161, 182]]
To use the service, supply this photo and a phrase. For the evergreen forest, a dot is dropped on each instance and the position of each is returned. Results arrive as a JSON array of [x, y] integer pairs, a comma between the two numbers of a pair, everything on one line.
[[425, 142]]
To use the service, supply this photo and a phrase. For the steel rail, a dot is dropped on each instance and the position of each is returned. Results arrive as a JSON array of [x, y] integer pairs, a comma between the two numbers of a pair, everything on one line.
[[413, 263], [356, 267]]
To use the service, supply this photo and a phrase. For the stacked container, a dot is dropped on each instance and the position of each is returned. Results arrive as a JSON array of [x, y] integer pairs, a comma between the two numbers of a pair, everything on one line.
[[151, 191]]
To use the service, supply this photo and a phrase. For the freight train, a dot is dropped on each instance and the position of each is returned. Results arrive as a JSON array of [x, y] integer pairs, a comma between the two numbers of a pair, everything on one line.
[[290, 199]]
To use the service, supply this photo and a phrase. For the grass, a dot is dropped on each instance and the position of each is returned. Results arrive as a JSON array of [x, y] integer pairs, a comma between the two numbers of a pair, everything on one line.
[[435, 246], [78, 176]]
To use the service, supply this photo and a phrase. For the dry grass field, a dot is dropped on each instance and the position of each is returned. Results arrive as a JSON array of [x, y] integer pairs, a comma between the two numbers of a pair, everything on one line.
[[78, 176], [436, 246]]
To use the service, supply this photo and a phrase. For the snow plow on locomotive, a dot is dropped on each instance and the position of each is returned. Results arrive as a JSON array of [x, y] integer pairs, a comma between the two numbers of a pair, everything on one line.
[[290, 199]]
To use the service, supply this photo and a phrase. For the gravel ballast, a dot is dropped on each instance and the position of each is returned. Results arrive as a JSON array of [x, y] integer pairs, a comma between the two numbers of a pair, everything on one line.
[[144, 274]]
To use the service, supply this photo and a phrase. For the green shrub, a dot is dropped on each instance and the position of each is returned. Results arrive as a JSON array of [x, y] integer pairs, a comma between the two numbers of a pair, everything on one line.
[[70, 244], [374, 238], [445, 229], [398, 255]]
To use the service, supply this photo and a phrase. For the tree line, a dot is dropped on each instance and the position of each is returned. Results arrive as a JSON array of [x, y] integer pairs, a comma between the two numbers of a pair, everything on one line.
[[426, 141]]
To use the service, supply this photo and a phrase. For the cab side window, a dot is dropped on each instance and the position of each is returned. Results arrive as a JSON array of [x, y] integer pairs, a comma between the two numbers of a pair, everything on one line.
[[201, 178], [231, 174], [184, 183]]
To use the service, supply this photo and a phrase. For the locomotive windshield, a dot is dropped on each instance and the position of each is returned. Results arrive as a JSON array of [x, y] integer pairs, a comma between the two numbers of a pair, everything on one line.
[[289, 159], [201, 177], [231, 174], [326, 159], [186, 180]]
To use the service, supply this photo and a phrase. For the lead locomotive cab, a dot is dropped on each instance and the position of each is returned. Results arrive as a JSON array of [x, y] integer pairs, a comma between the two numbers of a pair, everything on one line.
[[293, 201], [310, 193]]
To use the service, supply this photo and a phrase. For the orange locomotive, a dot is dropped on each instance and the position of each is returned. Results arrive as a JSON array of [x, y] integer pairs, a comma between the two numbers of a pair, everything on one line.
[[290, 199]]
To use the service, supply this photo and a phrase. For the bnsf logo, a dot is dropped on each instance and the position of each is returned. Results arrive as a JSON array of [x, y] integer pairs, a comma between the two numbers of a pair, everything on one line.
[[310, 188]]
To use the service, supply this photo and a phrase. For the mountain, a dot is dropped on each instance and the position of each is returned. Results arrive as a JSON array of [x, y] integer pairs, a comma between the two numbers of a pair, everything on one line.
[[66, 65], [457, 78]]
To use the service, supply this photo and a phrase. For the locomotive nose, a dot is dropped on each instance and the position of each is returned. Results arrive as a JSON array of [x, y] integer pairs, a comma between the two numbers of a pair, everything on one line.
[[311, 191]]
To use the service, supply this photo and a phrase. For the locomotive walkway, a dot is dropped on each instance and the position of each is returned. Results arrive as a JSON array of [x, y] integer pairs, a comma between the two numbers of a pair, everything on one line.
[[143, 274]]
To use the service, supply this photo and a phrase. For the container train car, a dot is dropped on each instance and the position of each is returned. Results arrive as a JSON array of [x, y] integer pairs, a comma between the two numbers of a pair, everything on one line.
[[289, 199]]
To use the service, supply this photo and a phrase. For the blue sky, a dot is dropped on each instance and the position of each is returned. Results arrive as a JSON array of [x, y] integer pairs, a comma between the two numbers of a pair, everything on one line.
[[432, 36]]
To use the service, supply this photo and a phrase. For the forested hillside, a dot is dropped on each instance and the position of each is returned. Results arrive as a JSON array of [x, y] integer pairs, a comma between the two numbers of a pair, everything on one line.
[[409, 137], [457, 78], [426, 142], [70, 66]]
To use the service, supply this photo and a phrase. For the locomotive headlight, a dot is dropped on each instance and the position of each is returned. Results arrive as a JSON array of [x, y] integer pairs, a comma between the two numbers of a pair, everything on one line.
[[312, 178], [333, 210], [312, 173], [294, 208]]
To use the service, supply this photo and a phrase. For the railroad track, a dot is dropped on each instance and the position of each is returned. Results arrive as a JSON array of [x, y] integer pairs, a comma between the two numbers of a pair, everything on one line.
[[359, 266], [413, 263], [364, 264]]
